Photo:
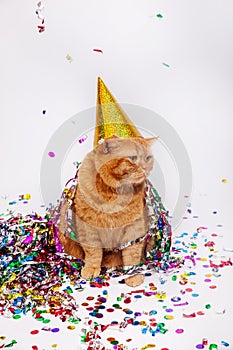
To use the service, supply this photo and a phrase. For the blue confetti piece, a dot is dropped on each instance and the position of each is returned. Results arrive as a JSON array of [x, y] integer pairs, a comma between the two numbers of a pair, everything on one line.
[[225, 343]]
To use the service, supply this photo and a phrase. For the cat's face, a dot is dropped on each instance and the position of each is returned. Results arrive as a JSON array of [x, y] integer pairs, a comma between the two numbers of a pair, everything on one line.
[[124, 160]]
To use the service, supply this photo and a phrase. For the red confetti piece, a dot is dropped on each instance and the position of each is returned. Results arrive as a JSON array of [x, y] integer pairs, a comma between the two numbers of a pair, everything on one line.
[[140, 290], [127, 301], [95, 284], [34, 347], [209, 244], [110, 310], [190, 315], [34, 332], [98, 50], [200, 313], [110, 339], [212, 287]]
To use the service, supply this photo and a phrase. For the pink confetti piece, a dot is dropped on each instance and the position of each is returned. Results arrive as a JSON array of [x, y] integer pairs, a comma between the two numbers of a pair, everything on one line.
[[82, 139], [51, 154], [28, 240]]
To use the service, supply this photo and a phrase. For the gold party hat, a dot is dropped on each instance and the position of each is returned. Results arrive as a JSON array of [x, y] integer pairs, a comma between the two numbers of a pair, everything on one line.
[[111, 120]]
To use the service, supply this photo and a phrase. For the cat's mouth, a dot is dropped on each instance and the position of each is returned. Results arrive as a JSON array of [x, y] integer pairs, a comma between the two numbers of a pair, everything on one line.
[[137, 177]]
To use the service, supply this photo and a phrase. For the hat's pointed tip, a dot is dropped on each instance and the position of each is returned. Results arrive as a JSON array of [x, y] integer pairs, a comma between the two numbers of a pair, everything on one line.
[[99, 80]]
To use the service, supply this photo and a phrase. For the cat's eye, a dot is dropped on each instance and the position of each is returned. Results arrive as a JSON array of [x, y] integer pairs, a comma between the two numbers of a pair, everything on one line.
[[133, 158], [148, 158]]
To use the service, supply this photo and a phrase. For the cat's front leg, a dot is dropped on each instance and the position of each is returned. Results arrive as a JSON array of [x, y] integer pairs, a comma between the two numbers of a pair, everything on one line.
[[133, 255], [93, 258]]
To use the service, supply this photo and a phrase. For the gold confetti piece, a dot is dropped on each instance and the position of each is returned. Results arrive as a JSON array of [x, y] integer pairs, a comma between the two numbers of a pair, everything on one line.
[[69, 58], [224, 181], [71, 327]]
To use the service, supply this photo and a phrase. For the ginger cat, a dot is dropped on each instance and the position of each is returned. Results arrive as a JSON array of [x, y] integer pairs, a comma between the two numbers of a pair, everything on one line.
[[109, 206]]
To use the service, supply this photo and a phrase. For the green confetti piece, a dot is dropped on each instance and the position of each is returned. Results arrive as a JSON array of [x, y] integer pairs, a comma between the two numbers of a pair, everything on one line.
[[159, 15], [73, 235], [116, 306], [69, 290], [73, 320], [40, 319], [163, 330], [16, 317], [114, 342], [46, 320], [165, 64], [207, 306], [174, 278], [11, 344]]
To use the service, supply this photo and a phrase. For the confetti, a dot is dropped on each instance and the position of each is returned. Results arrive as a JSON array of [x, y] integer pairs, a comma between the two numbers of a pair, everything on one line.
[[69, 58], [82, 139], [40, 16], [224, 181], [165, 65], [204, 341], [40, 264], [159, 15], [98, 50], [51, 154], [179, 331], [225, 343]]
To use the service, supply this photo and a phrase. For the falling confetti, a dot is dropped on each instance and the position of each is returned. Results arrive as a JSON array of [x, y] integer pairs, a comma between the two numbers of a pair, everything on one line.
[[165, 65], [69, 58], [82, 139], [40, 16], [159, 15], [98, 50], [224, 181], [51, 154]]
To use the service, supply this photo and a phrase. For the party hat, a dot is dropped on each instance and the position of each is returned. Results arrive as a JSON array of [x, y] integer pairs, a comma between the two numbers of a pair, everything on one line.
[[111, 120]]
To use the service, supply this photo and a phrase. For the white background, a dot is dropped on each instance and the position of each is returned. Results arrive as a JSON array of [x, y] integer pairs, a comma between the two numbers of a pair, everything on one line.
[[194, 94]]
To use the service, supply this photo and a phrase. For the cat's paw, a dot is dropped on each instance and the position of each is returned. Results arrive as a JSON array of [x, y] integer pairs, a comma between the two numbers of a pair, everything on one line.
[[134, 281], [90, 272]]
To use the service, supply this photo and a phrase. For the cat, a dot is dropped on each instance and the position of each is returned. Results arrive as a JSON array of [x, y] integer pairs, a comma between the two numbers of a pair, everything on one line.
[[109, 206]]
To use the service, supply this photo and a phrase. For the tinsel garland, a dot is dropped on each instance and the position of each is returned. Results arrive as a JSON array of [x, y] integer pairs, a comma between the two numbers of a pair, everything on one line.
[[159, 257], [33, 267]]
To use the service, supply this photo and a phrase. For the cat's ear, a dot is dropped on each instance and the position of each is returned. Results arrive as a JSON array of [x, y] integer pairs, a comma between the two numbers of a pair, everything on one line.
[[109, 145], [151, 140]]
